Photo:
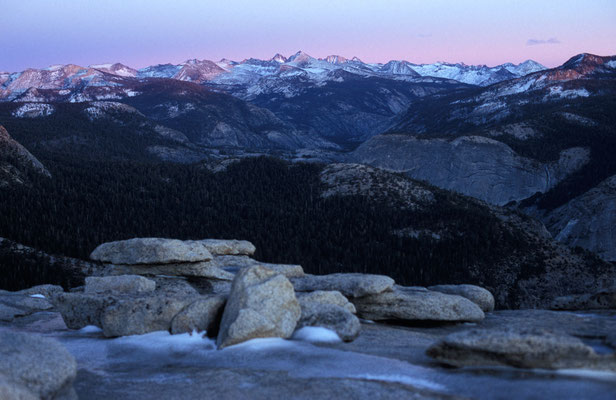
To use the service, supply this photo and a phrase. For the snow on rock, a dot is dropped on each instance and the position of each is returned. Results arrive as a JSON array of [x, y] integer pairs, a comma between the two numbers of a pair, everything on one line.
[[316, 334], [100, 109], [34, 110], [558, 91], [37, 296], [90, 329]]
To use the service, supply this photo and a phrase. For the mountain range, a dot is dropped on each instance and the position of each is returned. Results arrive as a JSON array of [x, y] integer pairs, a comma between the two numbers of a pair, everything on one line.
[[521, 135]]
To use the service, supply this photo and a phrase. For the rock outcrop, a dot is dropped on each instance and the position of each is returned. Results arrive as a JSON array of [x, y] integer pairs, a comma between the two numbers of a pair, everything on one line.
[[476, 166], [417, 304], [326, 297], [202, 315], [121, 284], [34, 367], [350, 285], [330, 316], [261, 304], [587, 221], [139, 315], [604, 299], [151, 251], [16, 162], [518, 348], [478, 295]]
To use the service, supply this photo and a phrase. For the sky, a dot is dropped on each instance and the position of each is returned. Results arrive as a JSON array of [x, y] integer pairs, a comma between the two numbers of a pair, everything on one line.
[[39, 33]]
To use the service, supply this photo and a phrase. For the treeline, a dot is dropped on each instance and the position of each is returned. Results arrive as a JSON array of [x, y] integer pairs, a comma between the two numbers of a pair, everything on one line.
[[274, 204]]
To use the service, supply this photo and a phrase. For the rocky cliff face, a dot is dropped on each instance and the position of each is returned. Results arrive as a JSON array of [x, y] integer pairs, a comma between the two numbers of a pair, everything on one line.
[[16, 162], [587, 221], [476, 166]]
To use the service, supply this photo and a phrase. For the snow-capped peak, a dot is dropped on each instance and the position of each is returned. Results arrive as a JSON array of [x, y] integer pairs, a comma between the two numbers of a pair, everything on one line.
[[300, 57], [279, 58], [334, 59]]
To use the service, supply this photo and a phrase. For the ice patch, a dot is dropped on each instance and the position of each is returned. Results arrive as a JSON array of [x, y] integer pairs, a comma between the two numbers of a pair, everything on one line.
[[90, 329], [316, 334], [261, 344], [407, 380], [611, 64], [163, 341], [589, 374], [37, 296]]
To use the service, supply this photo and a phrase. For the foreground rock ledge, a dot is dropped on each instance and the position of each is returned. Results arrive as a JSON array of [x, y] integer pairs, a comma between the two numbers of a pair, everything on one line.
[[34, 366], [261, 304], [151, 251], [478, 295], [417, 304], [350, 285], [518, 348]]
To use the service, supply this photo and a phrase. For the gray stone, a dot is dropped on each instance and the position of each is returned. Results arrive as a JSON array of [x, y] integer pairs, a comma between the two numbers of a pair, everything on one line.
[[478, 295], [205, 269], [604, 299], [13, 391], [202, 315], [330, 316], [229, 247], [79, 309], [175, 287], [410, 304], [139, 315], [40, 364], [151, 251], [261, 304], [13, 304], [46, 290], [519, 348], [234, 263], [350, 285], [325, 297], [126, 284]]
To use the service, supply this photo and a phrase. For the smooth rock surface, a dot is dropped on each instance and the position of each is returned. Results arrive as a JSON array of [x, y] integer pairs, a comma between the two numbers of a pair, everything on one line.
[[139, 315], [205, 269], [126, 284], [476, 166], [40, 364], [417, 304], [13, 305], [518, 348], [478, 295], [201, 315], [330, 316], [10, 390], [325, 297], [151, 251], [602, 300], [350, 285], [261, 304]]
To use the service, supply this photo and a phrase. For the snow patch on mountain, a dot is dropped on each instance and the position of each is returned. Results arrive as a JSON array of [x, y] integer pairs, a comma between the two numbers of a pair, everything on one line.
[[34, 110]]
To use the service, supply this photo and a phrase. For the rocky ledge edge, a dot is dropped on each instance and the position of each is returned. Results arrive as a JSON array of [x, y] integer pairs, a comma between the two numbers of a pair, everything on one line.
[[214, 287]]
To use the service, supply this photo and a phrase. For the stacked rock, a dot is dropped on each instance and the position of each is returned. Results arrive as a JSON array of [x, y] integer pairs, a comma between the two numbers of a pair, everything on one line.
[[211, 285]]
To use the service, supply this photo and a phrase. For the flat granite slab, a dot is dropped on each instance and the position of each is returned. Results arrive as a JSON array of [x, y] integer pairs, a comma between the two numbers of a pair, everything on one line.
[[384, 362]]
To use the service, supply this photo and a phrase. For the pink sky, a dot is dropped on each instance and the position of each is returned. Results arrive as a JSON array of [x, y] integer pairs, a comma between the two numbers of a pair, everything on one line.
[[38, 33]]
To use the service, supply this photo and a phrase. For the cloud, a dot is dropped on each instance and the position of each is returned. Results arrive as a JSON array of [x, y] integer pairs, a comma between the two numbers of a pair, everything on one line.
[[424, 35], [534, 42]]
